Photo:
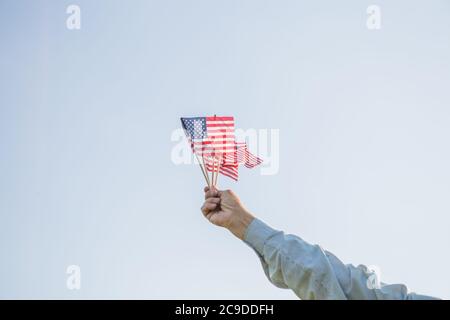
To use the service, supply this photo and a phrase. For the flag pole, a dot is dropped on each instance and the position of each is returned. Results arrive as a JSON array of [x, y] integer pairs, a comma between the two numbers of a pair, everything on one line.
[[214, 171], [218, 170], [205, 173], [203, 170], [214, 165]]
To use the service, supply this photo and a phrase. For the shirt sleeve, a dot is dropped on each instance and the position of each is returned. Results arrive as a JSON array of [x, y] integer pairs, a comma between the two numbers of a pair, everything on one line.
[[312, 273]]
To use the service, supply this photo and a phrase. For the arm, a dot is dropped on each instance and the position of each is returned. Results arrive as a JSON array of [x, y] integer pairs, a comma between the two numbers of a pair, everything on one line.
[[290, 262], [312, 273]]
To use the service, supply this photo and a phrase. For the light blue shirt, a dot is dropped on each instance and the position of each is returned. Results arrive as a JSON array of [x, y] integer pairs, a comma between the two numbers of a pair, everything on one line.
[[312, 273]]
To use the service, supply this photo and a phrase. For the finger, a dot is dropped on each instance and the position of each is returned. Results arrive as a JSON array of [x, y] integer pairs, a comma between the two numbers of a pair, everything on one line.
[[213, 200], [208, 188], [209, 215], [210, 204], [211, 193], [208, 207]]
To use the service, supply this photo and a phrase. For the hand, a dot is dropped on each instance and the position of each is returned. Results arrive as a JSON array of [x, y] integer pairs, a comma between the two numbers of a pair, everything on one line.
[[224, 209]]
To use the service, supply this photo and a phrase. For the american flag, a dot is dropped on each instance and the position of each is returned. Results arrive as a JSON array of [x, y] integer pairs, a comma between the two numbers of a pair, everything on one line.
[[212, 138], [244, 156]]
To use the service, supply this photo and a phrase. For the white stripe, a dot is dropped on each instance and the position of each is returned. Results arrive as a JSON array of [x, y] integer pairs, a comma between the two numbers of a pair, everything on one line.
[[216, 138], [213, 145], [220, 138], [220, 134], [220, 121]]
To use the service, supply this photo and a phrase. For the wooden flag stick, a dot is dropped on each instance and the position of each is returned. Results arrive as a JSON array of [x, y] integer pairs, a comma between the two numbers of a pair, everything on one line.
[[203, 170], [218, 170], [206, 173], [213, 173], [211, 165]]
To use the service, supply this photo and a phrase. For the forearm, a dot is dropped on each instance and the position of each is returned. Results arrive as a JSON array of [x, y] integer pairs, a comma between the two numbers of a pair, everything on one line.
[[312, 273], [240, 223], [289, 262]]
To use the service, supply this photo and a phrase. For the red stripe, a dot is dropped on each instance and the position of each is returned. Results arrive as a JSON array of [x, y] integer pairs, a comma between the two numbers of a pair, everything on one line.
[[229, 171], [214, 141], [215, 118], [214, 151], [215, 125], [224, 129]]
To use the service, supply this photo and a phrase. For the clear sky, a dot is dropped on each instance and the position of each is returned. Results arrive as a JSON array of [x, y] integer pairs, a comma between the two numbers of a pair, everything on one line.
[[86, 118]]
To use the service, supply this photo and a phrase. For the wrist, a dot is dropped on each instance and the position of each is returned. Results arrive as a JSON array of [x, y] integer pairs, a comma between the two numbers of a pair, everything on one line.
[[239, 226]]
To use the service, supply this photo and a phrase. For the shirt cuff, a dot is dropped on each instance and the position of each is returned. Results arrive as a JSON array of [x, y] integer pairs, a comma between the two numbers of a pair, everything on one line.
[[257, 234]]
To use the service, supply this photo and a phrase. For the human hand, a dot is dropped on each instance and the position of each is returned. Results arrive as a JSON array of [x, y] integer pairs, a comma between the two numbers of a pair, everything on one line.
[[224, 209]]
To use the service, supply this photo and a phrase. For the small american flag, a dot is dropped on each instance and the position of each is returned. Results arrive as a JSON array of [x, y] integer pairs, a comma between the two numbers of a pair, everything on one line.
[[246, 157], [213, 139]]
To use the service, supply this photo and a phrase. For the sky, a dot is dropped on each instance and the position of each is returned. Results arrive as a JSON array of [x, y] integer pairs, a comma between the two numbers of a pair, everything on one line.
[[87, 116]]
